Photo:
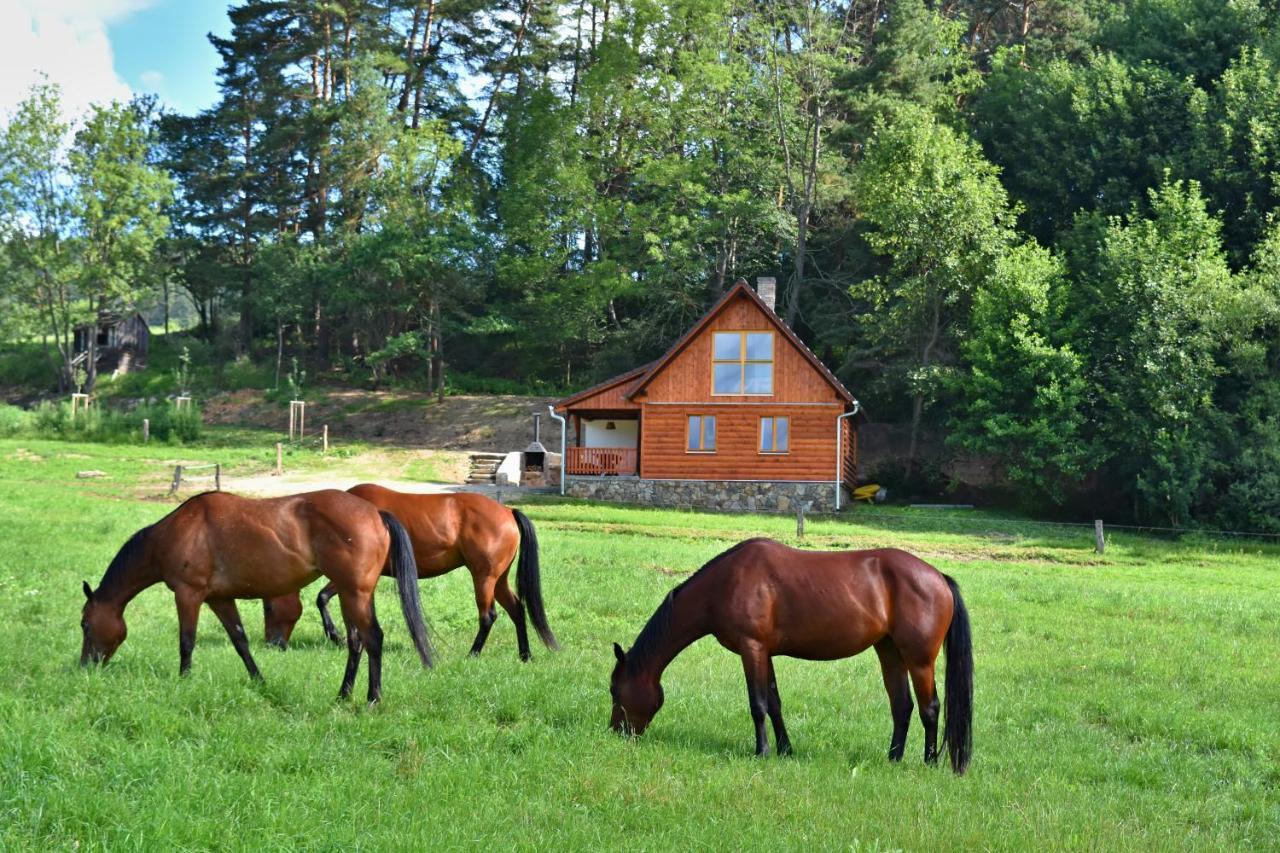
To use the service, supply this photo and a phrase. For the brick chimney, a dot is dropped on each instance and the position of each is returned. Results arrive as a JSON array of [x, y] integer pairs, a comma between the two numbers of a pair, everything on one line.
[[767, 287]]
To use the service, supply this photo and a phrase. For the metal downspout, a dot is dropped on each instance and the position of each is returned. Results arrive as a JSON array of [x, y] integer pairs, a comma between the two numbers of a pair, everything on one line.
[[564, 434], [857, 407]]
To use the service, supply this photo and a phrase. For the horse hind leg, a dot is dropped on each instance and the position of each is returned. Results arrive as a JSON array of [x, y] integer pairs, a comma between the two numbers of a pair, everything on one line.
[[322, 604], [515, 609], [922, 679], [363, 631], [896, 684], [373, 639], [485, 607]]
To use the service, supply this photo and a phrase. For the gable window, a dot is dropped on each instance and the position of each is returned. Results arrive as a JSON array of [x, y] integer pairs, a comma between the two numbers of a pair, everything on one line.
[[702, 434], [775, 435], [742, 363]]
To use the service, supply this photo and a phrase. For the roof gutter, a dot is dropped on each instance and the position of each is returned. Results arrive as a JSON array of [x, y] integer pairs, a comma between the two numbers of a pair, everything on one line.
[[857, 407]]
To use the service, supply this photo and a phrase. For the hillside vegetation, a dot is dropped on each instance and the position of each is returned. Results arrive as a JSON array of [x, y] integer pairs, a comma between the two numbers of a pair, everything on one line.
[[1045, 229]]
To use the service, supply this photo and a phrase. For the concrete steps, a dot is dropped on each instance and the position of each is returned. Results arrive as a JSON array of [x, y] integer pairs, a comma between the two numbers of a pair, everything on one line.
[[484, 467]]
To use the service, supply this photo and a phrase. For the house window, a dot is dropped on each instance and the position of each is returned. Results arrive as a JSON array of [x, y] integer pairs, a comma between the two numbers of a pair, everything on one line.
[[775, 435], [742, 363], [702, 434]]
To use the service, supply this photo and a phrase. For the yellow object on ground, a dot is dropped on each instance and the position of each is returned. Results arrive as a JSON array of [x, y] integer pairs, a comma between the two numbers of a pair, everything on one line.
[[866, 493]]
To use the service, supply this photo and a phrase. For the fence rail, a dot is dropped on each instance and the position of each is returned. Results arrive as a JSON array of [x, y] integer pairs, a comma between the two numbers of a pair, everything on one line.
[[600, 461]]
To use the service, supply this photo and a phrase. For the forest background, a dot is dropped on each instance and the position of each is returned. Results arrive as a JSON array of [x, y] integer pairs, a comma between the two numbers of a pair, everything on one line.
[[1041, 228]]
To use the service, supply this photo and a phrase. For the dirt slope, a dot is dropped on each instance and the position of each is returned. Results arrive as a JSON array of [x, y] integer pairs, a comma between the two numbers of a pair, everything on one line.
[[403, 419]]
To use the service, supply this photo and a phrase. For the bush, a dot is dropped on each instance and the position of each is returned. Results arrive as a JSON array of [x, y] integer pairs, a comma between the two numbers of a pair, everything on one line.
[[13, 420], [107, 426]]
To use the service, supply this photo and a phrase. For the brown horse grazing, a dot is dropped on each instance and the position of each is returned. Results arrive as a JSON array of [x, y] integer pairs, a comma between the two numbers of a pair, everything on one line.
[[448, 531], [761, 598], [218, 547]]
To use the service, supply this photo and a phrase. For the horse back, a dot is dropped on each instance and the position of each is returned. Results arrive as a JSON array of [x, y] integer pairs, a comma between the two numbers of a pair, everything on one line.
[[234, 546], [449, 530], [830, 604]]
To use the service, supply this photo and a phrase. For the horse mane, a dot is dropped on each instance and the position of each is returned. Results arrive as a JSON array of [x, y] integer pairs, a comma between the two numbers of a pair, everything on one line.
[[132, 549], [128, 553], [651, 635]]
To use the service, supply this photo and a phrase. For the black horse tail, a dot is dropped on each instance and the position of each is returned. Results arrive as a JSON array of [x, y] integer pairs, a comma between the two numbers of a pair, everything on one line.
[[957, 734], [529, 581], [406, 572]]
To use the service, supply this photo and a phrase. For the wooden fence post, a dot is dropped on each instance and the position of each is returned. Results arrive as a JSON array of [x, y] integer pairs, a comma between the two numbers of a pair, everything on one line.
[[146, 430], [217, 476], [326, 438], [177, 480], [800, 520], [1099, 542], [279, 459]]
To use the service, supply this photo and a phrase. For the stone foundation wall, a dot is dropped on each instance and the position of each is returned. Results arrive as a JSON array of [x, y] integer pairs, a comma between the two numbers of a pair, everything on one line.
[[727, 495]]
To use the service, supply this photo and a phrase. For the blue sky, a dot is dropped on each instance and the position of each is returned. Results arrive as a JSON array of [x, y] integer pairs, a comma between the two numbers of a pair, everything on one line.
[[163, 49], [99, 50]]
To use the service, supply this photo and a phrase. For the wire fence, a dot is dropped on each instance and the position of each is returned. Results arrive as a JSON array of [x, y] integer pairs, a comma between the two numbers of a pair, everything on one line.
[[959, 516]]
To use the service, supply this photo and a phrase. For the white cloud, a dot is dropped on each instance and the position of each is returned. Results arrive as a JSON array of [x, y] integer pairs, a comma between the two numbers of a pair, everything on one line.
[[151, 79], [67, 41]]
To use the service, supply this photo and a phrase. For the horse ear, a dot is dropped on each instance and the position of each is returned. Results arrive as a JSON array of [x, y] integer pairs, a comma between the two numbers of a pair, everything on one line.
[[88, 592], [619, 653]]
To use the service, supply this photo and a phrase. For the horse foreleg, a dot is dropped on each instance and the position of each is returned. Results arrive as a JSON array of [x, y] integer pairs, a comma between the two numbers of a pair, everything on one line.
[[227, 612], [485, 607], [896, 685], [515, 609], [188, 603], [775, 714], [927, 696], [755, 665], [322, 603]]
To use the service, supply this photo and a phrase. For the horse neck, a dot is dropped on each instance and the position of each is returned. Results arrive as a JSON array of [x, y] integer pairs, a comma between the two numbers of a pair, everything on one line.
[[689, 623], [121, 586]]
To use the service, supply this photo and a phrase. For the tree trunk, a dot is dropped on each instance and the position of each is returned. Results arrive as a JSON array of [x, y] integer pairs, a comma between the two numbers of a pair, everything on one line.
[[917, 402], [279, 350], [437, 352], [502, 75], [91, 361]]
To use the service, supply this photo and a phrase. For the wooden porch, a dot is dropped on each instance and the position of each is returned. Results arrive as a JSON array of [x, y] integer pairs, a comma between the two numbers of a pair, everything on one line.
[[601, 461]]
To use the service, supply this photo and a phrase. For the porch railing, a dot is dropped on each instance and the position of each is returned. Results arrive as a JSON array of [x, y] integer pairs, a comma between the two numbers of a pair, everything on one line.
[[600, 461]]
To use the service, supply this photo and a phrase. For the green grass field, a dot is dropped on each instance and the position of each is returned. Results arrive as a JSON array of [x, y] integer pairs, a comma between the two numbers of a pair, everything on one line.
[[1127, 701]]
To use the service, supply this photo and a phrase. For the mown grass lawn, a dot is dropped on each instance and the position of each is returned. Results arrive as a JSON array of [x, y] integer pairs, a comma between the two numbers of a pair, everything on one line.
[[1127, 701]]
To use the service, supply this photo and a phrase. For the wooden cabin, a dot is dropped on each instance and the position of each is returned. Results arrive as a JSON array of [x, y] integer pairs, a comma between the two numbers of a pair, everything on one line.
[[738, 414], [122, 341]]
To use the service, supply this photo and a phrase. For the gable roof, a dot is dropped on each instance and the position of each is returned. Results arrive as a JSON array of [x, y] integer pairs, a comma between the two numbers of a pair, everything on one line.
[[604, 386], [740, 288]]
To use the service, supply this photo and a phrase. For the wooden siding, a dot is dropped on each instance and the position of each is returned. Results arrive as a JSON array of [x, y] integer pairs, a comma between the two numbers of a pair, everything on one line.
[[687, 377], [811, 455]]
